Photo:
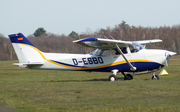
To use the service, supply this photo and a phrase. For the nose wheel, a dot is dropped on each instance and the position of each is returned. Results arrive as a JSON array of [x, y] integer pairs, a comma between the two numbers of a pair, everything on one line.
[[155, 77]]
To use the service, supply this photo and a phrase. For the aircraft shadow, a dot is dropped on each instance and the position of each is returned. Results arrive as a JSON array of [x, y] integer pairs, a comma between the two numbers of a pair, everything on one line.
[[104, 79]]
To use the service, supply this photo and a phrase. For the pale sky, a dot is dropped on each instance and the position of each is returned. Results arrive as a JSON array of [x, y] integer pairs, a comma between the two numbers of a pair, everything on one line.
[[63, 16]]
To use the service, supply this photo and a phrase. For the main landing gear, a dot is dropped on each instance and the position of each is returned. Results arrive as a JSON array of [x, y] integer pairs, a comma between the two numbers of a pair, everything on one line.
[[113, 77], [127, 76]]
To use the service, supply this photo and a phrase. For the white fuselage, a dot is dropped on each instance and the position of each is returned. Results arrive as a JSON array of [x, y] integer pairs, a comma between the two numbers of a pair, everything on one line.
[[142, 60]]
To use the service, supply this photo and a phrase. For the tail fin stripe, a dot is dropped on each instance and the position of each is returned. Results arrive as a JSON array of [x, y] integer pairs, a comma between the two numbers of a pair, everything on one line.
[[19, 38]]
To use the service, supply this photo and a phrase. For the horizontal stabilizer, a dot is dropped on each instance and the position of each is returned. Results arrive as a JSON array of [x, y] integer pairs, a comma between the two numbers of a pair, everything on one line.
[[32, 63]]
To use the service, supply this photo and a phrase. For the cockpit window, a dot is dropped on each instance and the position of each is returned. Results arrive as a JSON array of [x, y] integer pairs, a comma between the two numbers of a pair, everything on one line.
[[104, 52], [135, 47]]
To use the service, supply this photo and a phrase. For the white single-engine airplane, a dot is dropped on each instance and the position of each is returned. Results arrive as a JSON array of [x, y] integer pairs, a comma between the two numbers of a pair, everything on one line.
[[110, 56]]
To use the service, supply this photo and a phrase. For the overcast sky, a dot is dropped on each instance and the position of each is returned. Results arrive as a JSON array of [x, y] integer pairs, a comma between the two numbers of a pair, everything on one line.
[[64, 16]]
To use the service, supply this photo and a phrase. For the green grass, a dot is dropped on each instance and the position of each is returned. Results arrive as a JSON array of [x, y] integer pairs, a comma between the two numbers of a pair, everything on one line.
[[52, 90]]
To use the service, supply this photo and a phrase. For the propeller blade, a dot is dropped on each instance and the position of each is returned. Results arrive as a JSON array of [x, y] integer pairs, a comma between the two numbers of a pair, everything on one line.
[[167, 59]]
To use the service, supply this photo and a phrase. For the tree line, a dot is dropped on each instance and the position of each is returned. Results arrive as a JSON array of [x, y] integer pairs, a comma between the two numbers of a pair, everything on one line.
[[63, 44]]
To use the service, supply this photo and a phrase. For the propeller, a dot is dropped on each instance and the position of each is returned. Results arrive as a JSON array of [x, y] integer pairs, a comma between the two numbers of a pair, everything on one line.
[[167, 58], [168, 55]]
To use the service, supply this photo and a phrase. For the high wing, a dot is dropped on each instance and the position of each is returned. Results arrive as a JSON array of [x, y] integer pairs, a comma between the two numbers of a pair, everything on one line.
[[110, 43], [102, 43]]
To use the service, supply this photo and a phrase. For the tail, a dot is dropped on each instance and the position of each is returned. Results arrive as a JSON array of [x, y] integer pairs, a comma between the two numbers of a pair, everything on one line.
[[26, 52]]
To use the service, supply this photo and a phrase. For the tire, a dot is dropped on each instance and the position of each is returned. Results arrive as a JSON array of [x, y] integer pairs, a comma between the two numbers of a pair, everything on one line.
[[128, 77], [112, 78], [155, 78]]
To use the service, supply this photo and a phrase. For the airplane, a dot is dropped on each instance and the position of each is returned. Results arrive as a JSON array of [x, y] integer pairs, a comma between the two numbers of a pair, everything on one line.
[[110, 56]]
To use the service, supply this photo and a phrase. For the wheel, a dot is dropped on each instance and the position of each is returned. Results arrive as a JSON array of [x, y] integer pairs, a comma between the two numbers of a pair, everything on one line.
[[128, 77], [112, 78], [155, 77]]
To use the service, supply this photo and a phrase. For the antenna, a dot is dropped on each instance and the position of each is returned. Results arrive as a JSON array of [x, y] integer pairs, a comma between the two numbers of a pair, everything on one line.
[[105, 36], [111, 37]]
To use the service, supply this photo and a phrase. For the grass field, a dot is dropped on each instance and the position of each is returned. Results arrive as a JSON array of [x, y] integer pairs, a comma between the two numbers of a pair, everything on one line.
[[51, 90]]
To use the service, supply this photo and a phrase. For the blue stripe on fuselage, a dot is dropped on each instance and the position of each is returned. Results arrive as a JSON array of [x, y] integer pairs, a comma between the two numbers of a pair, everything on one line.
[[141, 66]]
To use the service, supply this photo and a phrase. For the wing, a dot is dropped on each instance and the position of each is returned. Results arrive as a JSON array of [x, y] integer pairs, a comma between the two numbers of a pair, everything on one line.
[[109, 43], [144, 42], [102, 43], [148, 41]]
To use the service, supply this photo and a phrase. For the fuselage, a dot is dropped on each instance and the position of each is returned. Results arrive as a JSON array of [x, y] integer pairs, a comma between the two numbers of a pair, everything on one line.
[[143, 60]]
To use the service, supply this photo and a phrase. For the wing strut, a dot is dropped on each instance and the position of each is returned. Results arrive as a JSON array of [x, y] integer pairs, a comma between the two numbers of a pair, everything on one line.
[[130, 65]]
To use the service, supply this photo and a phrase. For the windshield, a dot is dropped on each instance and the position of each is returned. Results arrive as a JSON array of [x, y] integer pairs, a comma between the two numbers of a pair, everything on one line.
[[135, 47]]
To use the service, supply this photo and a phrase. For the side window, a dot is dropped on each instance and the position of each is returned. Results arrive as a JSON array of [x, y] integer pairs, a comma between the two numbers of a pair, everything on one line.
[[104, 52], [116, 52]]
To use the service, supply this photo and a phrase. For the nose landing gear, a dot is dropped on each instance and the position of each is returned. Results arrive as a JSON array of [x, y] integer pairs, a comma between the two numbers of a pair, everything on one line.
[[155, 77]]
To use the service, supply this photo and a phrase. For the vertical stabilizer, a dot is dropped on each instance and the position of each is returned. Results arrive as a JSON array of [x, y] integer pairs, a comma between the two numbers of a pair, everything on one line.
[[25, 50]]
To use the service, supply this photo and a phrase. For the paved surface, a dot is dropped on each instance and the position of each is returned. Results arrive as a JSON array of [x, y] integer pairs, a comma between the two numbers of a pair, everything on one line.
[[5, 109]]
